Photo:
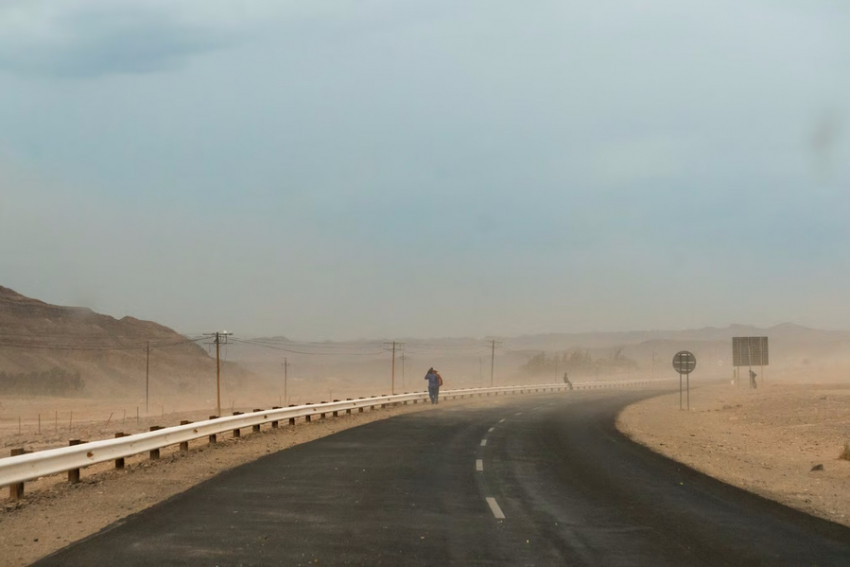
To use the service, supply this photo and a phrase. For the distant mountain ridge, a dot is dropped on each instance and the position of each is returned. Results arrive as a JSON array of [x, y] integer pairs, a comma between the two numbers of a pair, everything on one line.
[[109, 354]]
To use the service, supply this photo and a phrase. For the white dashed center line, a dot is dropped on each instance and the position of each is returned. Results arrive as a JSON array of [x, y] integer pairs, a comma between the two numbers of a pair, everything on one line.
[[502, 420], [494, 507], [518, 413], [483, 442], [479, 465], [491, 430]]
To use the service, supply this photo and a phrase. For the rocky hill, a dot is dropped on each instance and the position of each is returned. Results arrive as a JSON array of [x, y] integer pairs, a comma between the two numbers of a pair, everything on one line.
[[51, 349]]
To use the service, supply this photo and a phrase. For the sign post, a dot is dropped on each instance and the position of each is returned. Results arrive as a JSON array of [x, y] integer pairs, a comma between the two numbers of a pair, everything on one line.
[[749, 352], [684, 362]]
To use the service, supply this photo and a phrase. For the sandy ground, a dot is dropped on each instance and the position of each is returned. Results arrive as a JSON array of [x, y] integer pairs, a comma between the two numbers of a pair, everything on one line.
[[765, 441], [55, 513]]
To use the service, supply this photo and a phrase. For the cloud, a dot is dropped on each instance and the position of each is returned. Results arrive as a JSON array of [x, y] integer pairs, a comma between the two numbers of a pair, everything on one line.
[[92, 39]]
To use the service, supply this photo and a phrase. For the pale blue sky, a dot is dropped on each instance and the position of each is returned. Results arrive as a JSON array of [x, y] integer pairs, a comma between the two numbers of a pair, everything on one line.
[[407, 168]]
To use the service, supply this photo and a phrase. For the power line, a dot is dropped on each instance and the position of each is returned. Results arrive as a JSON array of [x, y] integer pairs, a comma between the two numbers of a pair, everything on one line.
[[291, 350]]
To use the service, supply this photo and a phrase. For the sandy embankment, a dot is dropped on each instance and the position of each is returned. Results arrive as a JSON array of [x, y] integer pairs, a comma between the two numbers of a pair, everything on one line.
[[765, 441]]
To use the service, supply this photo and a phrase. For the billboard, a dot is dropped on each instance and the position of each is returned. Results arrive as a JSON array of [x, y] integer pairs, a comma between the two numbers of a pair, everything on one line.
[[749, 351]]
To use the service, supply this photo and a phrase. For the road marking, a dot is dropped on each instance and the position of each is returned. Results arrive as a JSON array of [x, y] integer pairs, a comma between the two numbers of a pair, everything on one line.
[[491, 430], [479, 465], [518, 413], [494, 507], [502, 420], [483, 442]]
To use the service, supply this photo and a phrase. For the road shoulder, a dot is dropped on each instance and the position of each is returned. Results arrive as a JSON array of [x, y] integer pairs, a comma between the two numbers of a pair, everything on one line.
[[764, 441]]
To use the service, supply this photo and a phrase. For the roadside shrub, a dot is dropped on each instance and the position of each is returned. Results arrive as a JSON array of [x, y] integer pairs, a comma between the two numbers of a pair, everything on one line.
[[845, 454]]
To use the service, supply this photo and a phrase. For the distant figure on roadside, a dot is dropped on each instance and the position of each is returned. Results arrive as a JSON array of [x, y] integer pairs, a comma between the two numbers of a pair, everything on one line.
[[753, 383], [434, 383], [567, 381]]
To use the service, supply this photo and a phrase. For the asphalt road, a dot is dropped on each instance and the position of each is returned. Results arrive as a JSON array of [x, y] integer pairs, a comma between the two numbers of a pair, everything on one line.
[[429, 489]]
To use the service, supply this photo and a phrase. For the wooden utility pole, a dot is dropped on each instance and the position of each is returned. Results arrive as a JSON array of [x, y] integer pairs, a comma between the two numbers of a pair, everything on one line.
[[217, 378], [402, 370], [147, 375], [393, 346], [492, 361], [218, 336], [285, 379], [392, 391]]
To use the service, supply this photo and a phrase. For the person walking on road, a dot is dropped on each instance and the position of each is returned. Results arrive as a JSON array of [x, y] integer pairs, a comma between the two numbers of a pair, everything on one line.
[[434, 383]]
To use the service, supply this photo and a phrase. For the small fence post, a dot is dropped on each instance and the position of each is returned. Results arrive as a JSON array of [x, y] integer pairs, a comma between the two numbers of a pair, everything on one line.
[[274, 423], [74, 474], [336, 412], [119, 462], [348, 411], [256, 428], [16, 491]]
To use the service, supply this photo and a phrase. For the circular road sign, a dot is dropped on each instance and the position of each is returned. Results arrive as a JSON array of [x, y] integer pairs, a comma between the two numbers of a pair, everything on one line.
[[684, 362]]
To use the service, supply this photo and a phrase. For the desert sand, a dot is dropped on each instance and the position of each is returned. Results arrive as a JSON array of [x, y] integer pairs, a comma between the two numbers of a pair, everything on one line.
[[766, 440]]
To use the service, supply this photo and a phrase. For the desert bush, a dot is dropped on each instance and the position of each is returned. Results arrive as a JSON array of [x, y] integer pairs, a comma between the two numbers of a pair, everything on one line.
[[845, 454]]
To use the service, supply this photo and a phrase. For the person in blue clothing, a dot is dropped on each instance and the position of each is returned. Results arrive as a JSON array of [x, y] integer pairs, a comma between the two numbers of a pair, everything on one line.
[[434, 383]]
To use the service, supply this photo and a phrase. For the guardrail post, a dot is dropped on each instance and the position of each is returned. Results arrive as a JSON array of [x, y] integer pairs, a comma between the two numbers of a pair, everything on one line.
[[236, 432], [360, 409], [74, 474], [154, 453], [274, 423], [336, 412], [184, 445], [256, 428], [16, 491], [119, 463], [322, 416], [348, 411], [213, 438]]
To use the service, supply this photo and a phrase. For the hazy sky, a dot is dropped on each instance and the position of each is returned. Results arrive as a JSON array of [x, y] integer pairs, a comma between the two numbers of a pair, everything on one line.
[[387, 168]]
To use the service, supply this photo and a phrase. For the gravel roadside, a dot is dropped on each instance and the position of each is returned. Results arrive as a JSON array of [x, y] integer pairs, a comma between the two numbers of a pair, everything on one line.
[[766, 441]]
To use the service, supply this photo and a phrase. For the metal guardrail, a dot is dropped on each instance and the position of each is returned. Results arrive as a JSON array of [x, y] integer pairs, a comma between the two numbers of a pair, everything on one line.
[[18, 469]]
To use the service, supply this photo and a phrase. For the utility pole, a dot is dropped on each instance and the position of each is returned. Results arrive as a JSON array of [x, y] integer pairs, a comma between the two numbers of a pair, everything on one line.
[[393, 346], [402, 370], [147, 375], [493, 343], [492, 361], [285, 379], [218, 338]]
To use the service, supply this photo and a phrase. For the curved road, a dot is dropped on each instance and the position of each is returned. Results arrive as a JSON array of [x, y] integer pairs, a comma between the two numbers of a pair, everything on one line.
[[431, 488]]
